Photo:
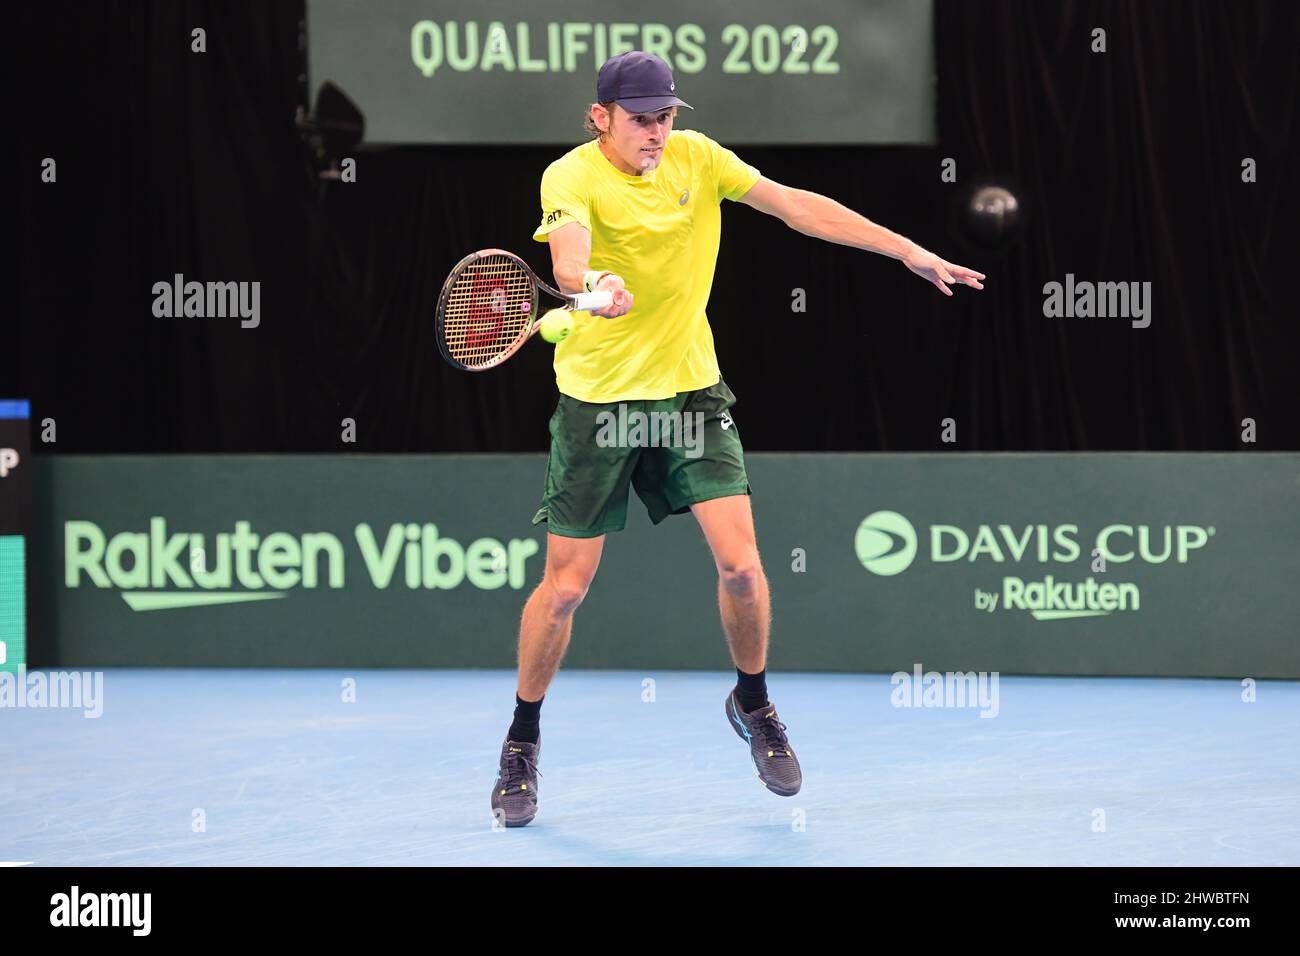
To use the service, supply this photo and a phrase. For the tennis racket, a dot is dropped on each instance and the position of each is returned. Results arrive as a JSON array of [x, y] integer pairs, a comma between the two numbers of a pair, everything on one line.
[[488, 309]]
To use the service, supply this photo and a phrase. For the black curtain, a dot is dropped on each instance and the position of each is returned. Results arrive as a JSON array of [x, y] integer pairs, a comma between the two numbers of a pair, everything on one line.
[[1128, 164]]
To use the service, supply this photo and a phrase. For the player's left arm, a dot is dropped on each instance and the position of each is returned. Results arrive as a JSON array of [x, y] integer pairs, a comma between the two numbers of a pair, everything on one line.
[[823, 218]]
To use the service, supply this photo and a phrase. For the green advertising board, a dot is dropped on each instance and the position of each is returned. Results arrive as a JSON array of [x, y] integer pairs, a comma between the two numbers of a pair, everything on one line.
[[833, 71], [1137, 564]]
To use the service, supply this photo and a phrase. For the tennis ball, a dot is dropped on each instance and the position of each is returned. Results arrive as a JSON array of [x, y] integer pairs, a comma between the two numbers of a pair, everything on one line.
[[556, 325]]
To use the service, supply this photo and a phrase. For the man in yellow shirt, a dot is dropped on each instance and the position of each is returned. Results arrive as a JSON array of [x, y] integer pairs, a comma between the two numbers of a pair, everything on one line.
[[636, 211]]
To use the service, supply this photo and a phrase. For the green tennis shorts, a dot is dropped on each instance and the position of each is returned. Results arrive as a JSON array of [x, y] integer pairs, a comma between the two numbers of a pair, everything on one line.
[[674, 451]]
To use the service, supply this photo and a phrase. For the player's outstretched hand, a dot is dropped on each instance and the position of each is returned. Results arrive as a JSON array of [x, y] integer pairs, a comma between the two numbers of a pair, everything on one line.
[[622, 303], [940, 272]]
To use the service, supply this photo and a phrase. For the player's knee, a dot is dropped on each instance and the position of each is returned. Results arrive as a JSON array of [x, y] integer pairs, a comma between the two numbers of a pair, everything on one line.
[[741, 577], [566, 595]]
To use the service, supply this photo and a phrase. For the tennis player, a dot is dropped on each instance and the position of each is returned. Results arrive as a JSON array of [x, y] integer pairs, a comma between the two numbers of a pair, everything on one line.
[[636, 211]]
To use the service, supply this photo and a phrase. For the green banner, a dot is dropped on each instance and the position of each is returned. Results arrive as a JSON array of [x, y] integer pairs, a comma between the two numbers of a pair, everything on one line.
[[1138, 564], [501, 71]]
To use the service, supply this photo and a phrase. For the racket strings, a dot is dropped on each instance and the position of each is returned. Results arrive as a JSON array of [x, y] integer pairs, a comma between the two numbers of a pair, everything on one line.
[[488, 309]]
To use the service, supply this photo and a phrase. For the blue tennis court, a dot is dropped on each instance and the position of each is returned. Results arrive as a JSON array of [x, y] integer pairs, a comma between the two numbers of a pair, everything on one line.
[[225, 767]]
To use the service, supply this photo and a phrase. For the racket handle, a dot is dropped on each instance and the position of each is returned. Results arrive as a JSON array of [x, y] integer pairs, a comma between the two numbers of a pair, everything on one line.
[[586, 301]]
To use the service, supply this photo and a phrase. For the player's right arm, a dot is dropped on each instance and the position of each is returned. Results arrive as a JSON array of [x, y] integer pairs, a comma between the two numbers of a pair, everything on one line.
[[571, 261]]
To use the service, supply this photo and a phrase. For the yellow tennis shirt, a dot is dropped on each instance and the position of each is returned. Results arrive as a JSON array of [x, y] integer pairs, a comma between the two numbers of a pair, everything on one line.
[[660, 233]]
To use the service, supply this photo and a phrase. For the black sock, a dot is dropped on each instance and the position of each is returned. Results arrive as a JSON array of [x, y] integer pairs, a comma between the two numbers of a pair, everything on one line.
[[751, 690], [527, 722]]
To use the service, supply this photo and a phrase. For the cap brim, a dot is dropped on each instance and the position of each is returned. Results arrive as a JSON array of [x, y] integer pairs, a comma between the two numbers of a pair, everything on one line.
[[651, 104]]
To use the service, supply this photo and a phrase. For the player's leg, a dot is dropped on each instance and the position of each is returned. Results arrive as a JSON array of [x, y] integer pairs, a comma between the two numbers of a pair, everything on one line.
[[705, 473], [728, 525], [544, 631], [571, 565], [585, 498], [702, 468]]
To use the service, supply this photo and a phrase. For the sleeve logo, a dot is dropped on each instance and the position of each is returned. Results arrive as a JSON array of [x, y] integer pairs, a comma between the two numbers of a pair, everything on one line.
[[555, 215]]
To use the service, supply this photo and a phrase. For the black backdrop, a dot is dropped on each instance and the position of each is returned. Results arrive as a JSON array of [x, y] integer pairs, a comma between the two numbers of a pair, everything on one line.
[[1128, 161]]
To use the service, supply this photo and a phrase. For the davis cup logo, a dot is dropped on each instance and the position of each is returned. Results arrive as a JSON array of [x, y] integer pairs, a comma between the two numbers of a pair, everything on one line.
[[885, 543]]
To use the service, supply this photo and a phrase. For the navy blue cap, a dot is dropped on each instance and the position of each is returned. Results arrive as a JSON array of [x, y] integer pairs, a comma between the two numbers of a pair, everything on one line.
[[638, 82]]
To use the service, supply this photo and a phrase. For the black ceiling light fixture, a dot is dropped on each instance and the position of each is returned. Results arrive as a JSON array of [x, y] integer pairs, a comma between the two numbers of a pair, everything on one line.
[[332, 130]]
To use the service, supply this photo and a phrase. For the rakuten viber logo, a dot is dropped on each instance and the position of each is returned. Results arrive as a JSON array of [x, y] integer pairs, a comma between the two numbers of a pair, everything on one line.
[[159, 569]]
